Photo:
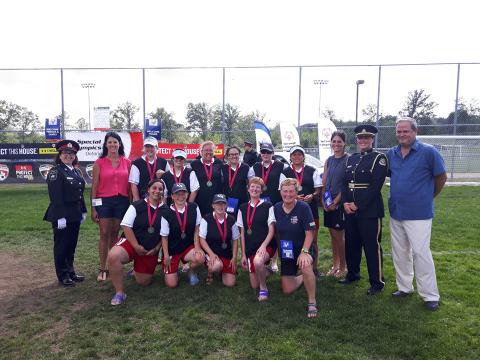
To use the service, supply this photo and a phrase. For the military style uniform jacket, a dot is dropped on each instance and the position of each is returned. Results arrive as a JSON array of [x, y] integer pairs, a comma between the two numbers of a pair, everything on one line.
[[65, 189], [364, 177]]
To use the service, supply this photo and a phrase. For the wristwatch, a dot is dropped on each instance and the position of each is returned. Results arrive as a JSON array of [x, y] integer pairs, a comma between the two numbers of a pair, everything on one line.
[[306, 251]]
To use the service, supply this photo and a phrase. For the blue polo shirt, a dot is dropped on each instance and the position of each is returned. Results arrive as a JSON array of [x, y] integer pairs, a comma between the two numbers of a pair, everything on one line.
[[412, 181], [292, 226]]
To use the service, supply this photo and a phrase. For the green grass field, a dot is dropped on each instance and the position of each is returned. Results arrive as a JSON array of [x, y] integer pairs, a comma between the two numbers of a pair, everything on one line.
[[49, 322]]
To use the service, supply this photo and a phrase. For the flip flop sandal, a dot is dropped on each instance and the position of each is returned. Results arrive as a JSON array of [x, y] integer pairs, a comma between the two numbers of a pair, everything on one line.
[[263, 295], [332, 271], [312, 313], [118, 299]]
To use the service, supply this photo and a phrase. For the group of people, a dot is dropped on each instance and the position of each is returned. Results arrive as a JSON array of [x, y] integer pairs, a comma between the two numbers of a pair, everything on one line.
[[200, 215]]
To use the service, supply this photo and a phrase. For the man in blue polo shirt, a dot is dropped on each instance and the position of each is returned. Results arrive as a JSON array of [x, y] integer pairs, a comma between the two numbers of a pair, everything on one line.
[[417, 175]]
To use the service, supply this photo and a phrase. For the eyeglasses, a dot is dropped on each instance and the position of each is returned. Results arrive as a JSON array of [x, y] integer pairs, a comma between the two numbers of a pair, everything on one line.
[[234, 154]]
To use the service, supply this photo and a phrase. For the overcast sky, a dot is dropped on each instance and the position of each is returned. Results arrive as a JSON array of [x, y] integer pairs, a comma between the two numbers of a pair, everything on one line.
[[51, 34]]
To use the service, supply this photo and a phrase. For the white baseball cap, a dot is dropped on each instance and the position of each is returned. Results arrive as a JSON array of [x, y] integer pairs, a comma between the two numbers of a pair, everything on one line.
[[150, 141]]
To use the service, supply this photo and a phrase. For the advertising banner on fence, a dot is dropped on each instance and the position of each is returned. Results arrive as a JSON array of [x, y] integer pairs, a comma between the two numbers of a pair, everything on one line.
[[91, 144], [30, 163], [193, 150], [27, 151]]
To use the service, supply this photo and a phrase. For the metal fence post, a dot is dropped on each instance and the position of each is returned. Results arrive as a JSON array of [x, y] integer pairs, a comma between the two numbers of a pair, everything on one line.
[[377, 120], [455, 119], [223, 106], [299, 104], [63, 104], [143, 95]]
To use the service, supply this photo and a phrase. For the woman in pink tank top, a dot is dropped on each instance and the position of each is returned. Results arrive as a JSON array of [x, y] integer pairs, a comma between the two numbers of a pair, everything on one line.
[[110, 195]]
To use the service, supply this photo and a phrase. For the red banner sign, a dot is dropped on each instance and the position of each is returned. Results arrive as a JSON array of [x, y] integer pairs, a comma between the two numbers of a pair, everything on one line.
[[193, 150]]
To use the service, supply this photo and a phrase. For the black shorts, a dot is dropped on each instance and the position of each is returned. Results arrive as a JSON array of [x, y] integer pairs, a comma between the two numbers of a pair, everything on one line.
[[334, 219], [113, 207], [289, 267]]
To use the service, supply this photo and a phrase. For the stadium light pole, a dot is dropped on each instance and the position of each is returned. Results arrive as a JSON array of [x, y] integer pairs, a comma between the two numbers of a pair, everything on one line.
[[320, 83], [88, 86], [359, 82]]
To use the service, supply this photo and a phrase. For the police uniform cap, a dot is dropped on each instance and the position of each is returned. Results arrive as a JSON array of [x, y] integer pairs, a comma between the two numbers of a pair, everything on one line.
[[178, 187], [217, 198], [297, 148], [365, 129], [67, 145]]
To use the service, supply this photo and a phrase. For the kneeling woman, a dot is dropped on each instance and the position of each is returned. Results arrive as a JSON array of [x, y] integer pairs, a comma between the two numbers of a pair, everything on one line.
[[256, 222], [295, 227], [218, 236], [141, 226], [180, 224]]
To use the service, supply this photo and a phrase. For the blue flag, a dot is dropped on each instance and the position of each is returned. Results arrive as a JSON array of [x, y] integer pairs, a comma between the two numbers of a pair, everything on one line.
[[262, 133]]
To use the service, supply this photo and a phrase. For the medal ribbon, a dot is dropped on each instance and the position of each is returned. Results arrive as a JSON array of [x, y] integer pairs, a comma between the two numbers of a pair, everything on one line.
[[151, 219], [223, 234], [231, 178], [151, 170], [265, 176], [208, 173], [183, 225], [299, 178], [250, 218], [179, 179]]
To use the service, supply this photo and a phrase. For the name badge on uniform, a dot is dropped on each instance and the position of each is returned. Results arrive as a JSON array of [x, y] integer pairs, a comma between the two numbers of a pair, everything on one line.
[[232, 205], [266, 198], [327, 198], [286, 247], [97, 202]]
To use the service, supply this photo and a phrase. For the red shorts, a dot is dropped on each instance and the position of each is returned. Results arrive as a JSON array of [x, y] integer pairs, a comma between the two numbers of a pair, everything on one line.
[[141, 264], [227, 266], [251, 266], [175, 260]]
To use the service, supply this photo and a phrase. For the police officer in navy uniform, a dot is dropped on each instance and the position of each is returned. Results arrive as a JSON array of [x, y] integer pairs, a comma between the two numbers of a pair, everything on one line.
[[362, 200], [250, 157], [66, 210]]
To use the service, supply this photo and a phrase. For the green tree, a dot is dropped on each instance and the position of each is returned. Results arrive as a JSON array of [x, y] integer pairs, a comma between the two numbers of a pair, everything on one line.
[[123, 117], [419, 106], [27, 125], [170, 128], [231, 121], [199, 119]]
